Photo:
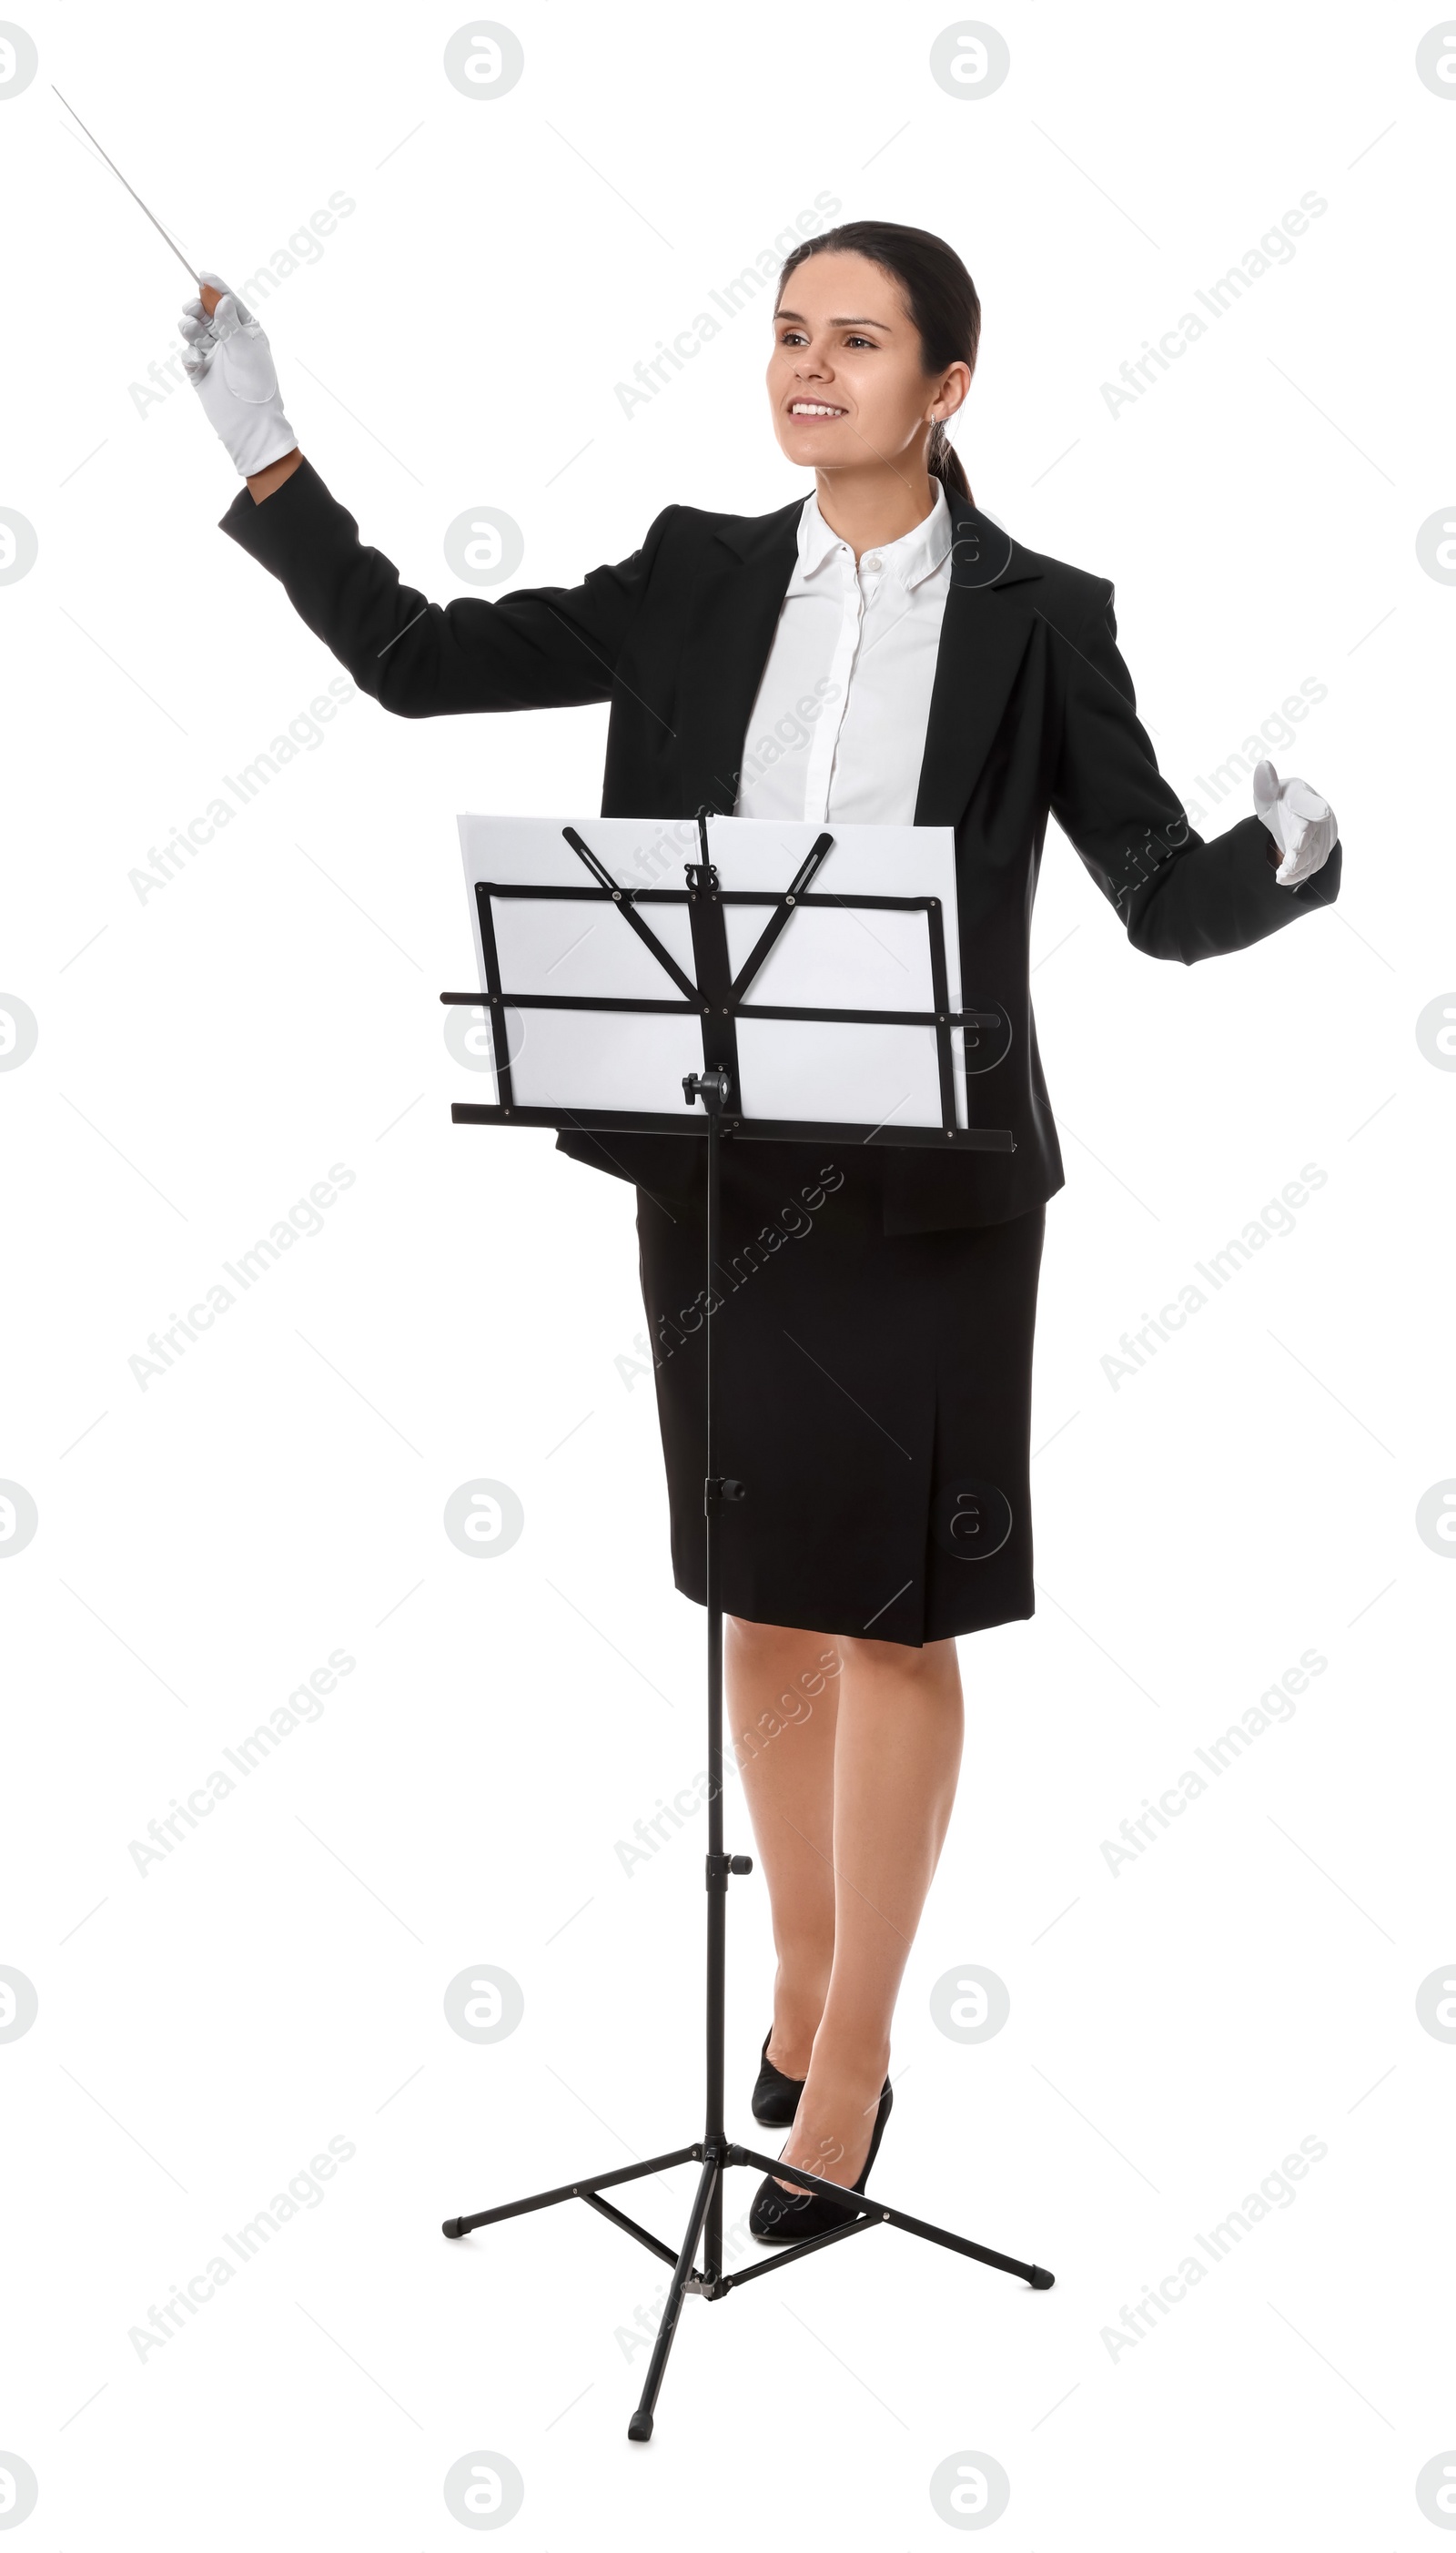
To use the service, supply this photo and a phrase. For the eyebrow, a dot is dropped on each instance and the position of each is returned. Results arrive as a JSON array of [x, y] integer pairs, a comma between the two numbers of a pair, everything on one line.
[[860, 322]]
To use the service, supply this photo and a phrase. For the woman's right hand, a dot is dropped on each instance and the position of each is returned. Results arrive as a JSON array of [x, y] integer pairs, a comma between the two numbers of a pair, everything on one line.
[[229, 363]]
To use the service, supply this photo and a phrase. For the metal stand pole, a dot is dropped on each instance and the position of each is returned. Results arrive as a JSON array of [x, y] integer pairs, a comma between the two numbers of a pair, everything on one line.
[[713, 2131]]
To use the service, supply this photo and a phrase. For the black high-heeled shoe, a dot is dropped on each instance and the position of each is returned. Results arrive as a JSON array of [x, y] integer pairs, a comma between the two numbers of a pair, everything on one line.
[[775, 2095], [779, 2215]]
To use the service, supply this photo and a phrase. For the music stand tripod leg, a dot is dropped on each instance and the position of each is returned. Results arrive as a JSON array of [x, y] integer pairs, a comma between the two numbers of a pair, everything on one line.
[[639, 2427]]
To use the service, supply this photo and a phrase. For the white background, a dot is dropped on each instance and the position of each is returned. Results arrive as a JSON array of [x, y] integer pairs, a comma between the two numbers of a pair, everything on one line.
[[205, 1055]]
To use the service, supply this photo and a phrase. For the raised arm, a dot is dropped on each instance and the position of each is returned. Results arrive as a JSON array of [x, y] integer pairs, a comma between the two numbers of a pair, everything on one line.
[[1180, 896], [545, 647]]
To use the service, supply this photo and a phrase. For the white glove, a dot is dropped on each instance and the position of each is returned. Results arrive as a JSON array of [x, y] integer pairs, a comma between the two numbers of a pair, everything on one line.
[[1301, 822], [229, 363]]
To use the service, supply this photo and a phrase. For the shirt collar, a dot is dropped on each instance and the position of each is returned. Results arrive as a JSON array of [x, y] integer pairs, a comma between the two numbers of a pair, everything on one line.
[[909, 560]]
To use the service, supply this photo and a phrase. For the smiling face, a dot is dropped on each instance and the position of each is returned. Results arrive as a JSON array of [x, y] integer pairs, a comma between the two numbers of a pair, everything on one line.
[[846, 381]]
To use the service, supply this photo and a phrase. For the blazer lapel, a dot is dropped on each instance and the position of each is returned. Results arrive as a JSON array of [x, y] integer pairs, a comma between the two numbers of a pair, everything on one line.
[[736, 609], [989, 611]]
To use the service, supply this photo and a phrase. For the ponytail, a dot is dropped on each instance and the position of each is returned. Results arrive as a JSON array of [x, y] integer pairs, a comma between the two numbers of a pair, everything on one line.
[[944, 462]]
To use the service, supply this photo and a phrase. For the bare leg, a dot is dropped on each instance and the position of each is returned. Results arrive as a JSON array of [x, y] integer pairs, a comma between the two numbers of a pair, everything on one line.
[[782, 1697], [897, 1754]]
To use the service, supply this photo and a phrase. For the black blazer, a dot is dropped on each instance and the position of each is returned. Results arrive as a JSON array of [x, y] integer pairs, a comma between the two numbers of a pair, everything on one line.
[[1032, 711]]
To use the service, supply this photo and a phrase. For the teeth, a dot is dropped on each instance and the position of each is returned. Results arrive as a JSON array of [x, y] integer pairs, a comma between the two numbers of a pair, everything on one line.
[[812, 407]]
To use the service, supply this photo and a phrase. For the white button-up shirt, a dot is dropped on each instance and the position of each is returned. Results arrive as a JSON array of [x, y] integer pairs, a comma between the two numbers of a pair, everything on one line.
[[837, 728]]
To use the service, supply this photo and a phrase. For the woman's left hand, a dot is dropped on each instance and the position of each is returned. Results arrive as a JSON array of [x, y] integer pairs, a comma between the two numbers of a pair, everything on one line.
[[1301, 822]]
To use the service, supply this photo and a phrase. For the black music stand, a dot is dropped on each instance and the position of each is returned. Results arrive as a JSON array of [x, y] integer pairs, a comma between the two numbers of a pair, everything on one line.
[[718, 997]]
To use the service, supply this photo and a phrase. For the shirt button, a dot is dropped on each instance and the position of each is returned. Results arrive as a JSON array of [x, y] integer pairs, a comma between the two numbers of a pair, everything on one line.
[[871, 559]]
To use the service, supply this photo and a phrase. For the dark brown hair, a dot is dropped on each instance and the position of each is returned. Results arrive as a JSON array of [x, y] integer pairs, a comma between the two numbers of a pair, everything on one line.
[[941, 301]]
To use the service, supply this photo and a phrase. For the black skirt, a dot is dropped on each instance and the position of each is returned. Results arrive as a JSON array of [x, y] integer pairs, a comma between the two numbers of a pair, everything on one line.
[[873, 1395]]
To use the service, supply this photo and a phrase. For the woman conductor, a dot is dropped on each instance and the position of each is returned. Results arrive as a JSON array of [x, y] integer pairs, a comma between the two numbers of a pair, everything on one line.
[[877, 652]]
